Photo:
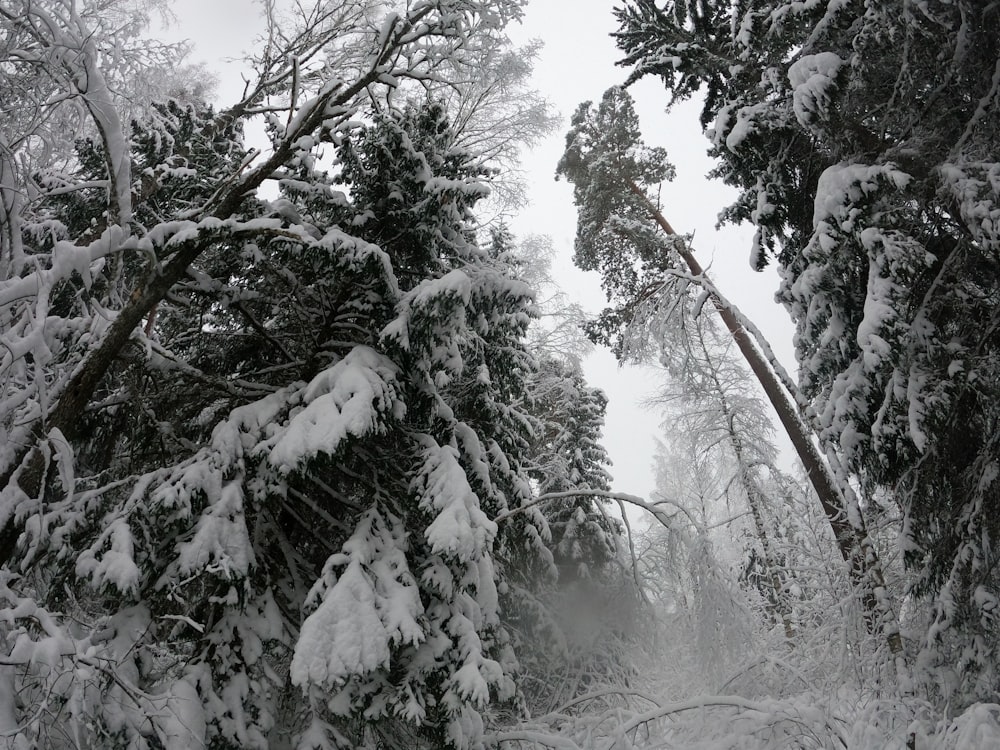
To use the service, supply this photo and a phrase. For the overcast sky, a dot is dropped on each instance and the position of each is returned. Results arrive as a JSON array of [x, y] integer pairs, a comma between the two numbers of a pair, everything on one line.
[[576, 64]]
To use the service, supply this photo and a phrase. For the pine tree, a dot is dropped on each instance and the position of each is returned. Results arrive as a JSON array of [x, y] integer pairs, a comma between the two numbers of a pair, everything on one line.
[[623, 233], [862, 138]]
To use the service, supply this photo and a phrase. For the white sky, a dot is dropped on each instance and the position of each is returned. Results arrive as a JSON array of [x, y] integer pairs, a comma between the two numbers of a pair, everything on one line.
[[576, 64]]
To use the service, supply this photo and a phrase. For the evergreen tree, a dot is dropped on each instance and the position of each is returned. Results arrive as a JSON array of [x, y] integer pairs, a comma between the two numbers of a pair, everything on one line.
[[567, 456], [254, 449], [862, 138], [574, 617], [579, 635]]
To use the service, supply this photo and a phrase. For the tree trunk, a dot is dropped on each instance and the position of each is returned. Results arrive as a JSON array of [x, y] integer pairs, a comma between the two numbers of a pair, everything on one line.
[[755, 504], [846, 522]]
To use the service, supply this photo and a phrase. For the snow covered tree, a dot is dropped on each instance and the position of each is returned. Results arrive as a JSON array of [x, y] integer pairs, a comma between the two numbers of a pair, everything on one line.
[[558, 333], [862, 138], [710, 403], [571, 619], [579, 638], [622, 233], [253, 450], [495, 113], [567, 455]]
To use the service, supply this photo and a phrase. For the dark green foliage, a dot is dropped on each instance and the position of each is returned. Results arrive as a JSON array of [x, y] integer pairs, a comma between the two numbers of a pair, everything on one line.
[[436, 185], [568, 456], [612, 171], [605, 159], [239, 538]]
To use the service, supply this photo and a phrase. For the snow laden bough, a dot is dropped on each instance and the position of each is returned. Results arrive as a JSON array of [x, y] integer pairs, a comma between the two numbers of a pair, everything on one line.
[[409, 601], [234, 429]]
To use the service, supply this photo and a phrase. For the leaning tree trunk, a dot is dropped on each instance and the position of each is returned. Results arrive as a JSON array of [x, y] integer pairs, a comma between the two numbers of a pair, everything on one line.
[[843, 515]]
